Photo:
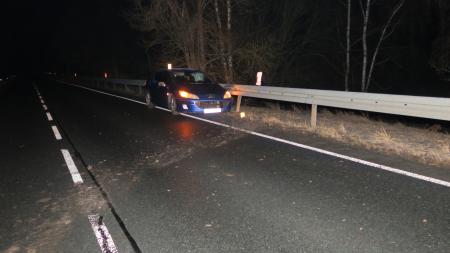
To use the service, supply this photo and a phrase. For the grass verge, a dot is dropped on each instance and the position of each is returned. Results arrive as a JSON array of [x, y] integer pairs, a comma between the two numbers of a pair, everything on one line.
[[427, 145]]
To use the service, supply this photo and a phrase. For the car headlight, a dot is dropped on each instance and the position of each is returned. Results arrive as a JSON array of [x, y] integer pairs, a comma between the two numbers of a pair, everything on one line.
[[227, 95], [185, 94]]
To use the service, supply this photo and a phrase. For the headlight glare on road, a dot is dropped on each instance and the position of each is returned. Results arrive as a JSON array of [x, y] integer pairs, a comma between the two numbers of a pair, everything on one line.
[[227, 95], [185, 94]]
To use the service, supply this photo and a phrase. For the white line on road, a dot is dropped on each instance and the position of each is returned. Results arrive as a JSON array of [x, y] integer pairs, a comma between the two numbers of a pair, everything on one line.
[[104, 239], [49, 117], [45, 107], [322, 151], [56, 132], [105, 93], [76, 177]]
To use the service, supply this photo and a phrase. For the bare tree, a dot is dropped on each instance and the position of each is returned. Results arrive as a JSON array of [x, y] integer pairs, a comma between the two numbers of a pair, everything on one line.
[[366, 13], [348, 46], [230, 45], [176, 25], [221, 41], [224, 38], [386, 30], [281, 33], [440, 56]]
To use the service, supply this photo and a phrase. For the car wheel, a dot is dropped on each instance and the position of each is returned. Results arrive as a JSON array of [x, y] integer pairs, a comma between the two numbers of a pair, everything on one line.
[[148, 100], [172, 105]]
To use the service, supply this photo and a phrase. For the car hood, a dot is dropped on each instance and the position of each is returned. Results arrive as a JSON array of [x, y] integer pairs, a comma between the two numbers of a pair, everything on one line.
[[204, 91]]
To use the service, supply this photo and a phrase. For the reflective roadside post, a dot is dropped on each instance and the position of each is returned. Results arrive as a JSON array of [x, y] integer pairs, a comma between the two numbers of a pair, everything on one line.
[[259, 78]]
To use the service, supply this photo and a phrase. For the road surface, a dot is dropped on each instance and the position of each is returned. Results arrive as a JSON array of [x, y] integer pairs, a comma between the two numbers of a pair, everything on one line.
[[164, 183]]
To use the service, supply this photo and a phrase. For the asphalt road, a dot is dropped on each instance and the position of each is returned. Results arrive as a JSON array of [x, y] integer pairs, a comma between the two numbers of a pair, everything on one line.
[[177, 184]]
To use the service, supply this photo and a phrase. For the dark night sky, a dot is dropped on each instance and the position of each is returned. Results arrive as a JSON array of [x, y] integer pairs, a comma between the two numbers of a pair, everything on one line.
[[42, 35]]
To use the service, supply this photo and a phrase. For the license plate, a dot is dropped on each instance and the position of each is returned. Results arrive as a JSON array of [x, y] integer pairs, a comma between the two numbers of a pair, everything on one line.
[[212, 110]]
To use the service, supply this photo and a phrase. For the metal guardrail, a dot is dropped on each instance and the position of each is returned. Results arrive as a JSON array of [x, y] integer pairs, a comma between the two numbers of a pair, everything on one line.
[[128, 86], [415, 106], [134, 82]]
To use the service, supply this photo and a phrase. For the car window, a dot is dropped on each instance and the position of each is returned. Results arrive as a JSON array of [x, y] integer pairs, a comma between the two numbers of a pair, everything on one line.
[[199, 77], [162, 76], [158, 77], [165, 77], [195, 77]]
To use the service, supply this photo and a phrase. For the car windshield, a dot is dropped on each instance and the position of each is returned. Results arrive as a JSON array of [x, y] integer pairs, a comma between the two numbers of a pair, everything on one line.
[[195, 77]]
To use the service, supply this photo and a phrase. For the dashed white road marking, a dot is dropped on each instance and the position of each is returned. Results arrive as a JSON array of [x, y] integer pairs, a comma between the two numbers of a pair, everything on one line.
[[76, 177], [318, 150], [104, 238], [49, 116], [45, 107], [56, 133]]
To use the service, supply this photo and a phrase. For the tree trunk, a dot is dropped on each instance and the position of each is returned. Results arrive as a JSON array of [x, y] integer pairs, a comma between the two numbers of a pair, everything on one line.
[[380, 40], [366, 14], [221, 43], [201, 36], [229, 38], [347, 64]]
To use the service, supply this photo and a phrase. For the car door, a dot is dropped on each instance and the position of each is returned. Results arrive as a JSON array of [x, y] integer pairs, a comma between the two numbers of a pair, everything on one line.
[[160, 88]]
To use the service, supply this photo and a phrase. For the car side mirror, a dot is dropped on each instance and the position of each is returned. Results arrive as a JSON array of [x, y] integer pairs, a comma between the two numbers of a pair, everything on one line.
[[162, 84]]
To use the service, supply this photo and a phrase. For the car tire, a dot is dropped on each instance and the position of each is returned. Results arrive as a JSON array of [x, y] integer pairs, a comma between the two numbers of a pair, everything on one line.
[[148, 100], [172, 104]]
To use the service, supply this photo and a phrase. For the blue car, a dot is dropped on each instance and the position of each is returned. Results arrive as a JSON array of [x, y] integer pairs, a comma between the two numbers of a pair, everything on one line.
[[187, 90]]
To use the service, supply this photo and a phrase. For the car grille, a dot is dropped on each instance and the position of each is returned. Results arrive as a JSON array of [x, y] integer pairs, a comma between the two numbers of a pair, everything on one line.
[[211, 104]]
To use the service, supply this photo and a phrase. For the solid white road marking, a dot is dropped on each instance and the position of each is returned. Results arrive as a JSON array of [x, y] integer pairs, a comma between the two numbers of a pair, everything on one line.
[[104, 238], [49, 117], [322, 151], [105, 93], [76, 177], [56, 132]]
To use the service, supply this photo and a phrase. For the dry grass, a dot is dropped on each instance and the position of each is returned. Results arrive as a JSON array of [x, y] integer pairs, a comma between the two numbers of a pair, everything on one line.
[[428, 146]]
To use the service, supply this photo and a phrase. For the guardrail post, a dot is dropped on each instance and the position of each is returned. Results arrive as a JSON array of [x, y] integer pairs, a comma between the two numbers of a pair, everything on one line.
[[313, 115], [238, 104]]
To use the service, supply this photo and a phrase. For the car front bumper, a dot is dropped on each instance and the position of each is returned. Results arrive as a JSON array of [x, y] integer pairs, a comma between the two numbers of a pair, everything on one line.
[[204, 105]]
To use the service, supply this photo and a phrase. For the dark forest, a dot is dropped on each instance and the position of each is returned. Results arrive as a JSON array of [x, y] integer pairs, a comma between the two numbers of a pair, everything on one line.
[[388, 46]]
